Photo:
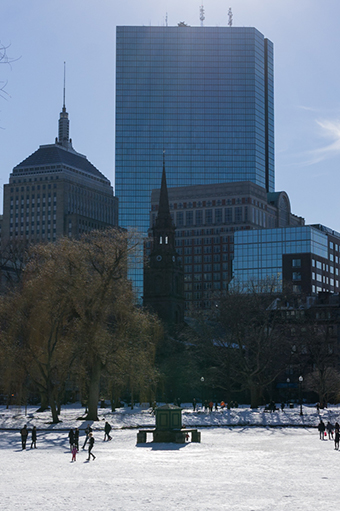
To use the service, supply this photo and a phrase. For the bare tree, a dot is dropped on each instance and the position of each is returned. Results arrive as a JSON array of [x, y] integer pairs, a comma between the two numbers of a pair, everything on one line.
[[245, 345]]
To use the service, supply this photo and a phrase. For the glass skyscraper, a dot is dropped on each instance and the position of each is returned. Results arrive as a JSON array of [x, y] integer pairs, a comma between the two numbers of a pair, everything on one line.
[[304, 258], [204, 96]]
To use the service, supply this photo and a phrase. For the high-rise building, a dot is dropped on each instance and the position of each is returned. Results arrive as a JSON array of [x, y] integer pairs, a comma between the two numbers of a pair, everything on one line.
[[55, 192], [202, 94]]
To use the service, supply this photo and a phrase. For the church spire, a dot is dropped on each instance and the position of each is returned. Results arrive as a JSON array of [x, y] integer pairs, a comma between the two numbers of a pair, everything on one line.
[[164, 219], [64, 123]]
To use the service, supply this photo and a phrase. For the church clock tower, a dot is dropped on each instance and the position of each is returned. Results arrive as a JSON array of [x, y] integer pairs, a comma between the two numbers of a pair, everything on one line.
[[163, 273]]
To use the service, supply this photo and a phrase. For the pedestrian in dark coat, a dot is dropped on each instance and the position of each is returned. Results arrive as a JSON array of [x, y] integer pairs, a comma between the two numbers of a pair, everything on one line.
[[76, 438], [194, 404], [321, 429], [71, 438], [24, 434], [107, 429], [34, 438], [336, 439], [329, 428], [91, 444], [88, 430]]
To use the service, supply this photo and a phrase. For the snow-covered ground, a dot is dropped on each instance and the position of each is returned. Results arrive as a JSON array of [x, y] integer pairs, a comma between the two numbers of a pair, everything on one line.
[[233, 468], [140, 416]]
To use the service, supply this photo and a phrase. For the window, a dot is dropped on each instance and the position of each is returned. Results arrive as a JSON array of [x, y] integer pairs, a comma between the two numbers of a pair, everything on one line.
[[228, 215], [208, 216], [218, 216], [179, 219], [296, 275], [238, 214], [296, 289], [296, 263], [199, 217], [189, 218]]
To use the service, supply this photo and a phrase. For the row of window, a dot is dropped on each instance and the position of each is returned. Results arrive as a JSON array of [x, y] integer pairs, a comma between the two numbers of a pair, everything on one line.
[[207, 276]]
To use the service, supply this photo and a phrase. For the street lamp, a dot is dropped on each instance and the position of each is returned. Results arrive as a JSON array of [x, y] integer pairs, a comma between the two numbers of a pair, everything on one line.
[[288, 382], [202, 381], [300, 397]]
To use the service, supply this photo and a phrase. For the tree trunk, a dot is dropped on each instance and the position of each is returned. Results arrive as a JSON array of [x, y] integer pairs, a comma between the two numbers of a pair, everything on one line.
[[55, 418], [94, 389], [254, 396], [44, 402]]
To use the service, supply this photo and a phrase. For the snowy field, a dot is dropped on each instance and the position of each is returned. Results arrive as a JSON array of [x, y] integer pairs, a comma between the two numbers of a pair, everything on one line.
[[233, 468]]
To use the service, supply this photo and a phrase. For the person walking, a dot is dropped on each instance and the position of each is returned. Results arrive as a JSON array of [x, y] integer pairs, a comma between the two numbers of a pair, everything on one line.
[[88, 430], [34, 438], [107, 429], [76, 438], [336, 437], [24, 434], [321, 429], [194, 404], [71, 438], [330, 428], [91, 444]]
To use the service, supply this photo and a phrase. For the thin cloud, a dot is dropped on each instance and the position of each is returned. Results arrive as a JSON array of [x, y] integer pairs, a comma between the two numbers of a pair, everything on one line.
[[308, 108], [330, 130]]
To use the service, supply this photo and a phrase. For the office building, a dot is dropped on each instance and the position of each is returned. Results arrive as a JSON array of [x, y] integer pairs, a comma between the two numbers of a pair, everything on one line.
[[305, 258], [202, 94], [207, 217], [55, 192]]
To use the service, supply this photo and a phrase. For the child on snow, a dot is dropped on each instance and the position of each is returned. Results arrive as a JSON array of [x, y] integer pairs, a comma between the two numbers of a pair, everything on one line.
[[74, 452]]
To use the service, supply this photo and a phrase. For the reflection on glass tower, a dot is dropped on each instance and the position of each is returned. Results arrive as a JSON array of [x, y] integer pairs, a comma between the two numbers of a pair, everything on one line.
[[202, 94]]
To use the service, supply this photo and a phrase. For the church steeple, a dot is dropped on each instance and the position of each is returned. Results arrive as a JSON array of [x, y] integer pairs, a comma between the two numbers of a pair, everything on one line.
[[163, 272], [64, 124], [164, 229]]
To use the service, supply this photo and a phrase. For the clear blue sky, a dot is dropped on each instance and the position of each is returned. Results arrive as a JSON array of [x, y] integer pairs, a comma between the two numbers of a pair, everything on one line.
[[42, 34]]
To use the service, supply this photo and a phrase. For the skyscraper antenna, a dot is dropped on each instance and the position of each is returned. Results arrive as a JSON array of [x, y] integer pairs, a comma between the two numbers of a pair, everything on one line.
[[64, 84], [202, 16], [230, 16], [166, 19]]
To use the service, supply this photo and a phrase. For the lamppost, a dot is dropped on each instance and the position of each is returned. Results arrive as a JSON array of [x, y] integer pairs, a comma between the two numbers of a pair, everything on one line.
[[202, 381], [288, 382], [300, 397]]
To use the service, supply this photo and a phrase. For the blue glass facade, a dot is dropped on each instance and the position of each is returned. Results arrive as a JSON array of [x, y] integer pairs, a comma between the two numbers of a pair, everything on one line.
[[202, 94], [258, 254]]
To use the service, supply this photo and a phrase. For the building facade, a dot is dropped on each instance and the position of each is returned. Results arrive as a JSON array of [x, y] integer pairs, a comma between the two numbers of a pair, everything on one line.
[[305, 258], [55, 192], [202, 94], [207, 217]]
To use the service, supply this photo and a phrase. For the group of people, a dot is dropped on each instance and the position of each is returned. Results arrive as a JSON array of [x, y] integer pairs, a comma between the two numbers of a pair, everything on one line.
[[333, 432], [73, 437], [209, 405], [24, 436]]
